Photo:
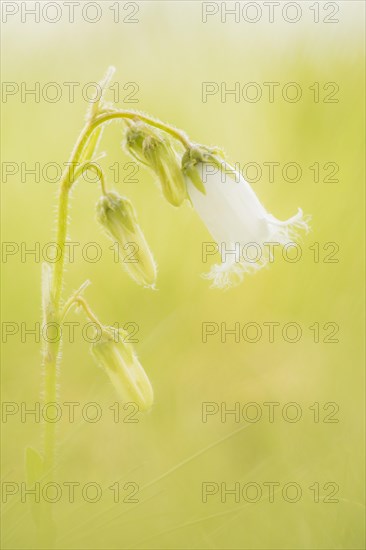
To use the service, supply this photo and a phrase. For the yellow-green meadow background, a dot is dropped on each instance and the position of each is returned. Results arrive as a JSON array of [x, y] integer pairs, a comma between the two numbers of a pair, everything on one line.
[[169, 52]]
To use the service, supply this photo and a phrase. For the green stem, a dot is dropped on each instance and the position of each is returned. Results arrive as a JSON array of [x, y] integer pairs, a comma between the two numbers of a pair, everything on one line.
[[68, 305], [89, 165], [51, 354], [77, 300], [133, 115], [69, 178]]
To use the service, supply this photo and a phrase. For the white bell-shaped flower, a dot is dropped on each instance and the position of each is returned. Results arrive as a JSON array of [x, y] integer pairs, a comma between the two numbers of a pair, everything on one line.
[[235, 217]]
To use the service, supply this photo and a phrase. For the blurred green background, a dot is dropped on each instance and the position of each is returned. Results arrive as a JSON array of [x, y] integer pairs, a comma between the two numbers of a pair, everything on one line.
[[170, 452]]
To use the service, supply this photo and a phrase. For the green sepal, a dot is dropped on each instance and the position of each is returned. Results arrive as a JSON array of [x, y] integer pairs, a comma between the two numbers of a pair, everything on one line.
[[205, 155], [112, 206], [196, 179]]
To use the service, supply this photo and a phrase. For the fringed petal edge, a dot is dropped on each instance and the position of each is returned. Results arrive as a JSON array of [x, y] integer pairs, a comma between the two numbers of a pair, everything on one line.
[[230, 274]]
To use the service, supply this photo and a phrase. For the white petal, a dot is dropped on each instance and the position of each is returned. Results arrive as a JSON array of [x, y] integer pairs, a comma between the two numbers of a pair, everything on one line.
[[233, 214]]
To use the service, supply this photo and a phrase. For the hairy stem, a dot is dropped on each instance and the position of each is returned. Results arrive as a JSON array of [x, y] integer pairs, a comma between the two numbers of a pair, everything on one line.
[[81, 154], [133, 115], [89, 165]]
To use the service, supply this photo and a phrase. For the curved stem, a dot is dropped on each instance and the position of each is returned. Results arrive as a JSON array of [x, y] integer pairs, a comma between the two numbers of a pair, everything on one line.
[[68, 179], [90, 165], [134, 115], [83, 149], [51, 351], [81, 302], [72, 299], [77, 300]]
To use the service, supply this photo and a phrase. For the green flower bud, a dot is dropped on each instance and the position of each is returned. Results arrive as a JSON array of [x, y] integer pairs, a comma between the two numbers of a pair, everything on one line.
[[120, 362], [157, 153], [118, 218]]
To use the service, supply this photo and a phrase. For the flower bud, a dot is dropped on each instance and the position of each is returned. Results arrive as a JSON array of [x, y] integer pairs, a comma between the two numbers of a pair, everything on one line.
[[120, 362], [158, 154], [118, 218]]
